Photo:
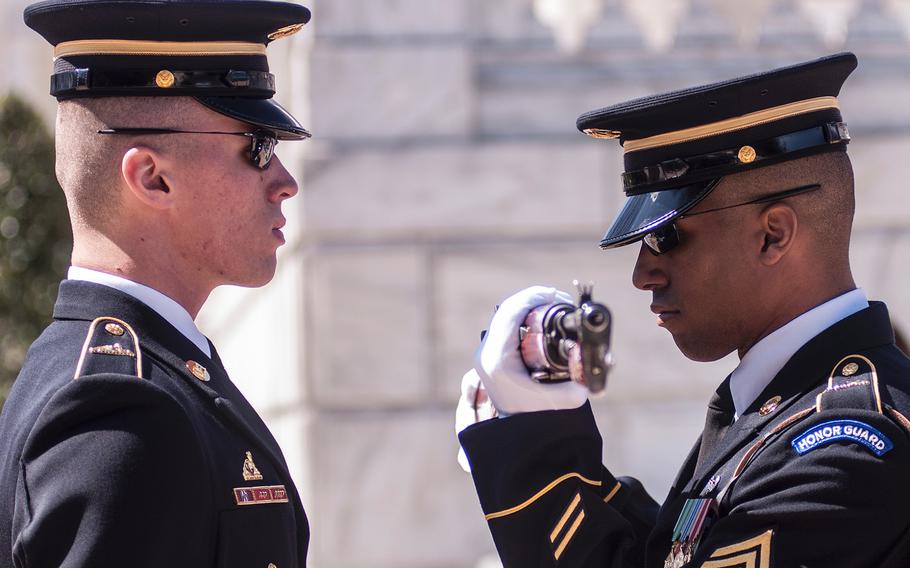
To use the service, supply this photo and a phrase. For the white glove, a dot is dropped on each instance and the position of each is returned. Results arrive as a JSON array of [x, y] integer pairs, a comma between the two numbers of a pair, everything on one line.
[[498, 361], [474, 406]]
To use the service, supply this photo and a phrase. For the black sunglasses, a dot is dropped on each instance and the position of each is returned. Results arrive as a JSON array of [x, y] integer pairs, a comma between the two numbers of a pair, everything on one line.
[[262, 146], [666, 238]]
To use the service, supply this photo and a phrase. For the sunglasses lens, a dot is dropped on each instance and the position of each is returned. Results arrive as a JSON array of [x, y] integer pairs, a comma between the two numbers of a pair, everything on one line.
[[662, 240], [262, 150]]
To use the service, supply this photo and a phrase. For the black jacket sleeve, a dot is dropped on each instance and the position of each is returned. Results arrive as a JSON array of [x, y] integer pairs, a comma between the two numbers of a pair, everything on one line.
[[547, 498], [111, 475]]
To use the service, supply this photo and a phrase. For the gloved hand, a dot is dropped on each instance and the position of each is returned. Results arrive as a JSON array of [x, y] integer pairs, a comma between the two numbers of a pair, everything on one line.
[[500, 368], [474, 406]]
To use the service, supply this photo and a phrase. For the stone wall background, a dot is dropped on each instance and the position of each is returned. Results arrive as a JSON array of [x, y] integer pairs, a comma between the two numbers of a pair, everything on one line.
[[446, 173]]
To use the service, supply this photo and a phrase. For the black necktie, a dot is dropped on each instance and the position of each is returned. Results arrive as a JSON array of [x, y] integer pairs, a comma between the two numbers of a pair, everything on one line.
[[717, 422]]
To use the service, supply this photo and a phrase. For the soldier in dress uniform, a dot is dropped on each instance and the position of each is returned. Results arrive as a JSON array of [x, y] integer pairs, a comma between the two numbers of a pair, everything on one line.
[[740, 196], [123, 441]]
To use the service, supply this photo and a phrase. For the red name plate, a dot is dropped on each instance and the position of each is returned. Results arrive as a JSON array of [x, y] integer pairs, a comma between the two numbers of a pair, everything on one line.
[[260, 495]]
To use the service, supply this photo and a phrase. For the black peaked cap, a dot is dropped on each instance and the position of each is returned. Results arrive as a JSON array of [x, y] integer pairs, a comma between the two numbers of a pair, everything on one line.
[[678, 145], [214, 50]]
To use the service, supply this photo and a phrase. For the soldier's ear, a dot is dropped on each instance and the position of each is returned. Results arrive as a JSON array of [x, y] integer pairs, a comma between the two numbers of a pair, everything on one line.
[[144, 174], [779, 225]]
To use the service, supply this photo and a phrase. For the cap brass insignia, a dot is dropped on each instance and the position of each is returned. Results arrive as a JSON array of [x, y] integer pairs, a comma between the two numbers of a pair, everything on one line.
[[198, 371], [602, 133], [114, 329], [285, 31], [770, 406], [250, 471], [115, 349], [746, 154], [849, 369], [164, 79]]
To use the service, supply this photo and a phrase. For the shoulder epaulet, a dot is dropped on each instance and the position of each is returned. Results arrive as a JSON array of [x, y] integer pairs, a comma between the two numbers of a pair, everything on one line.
[[853, 383], [111, 346]]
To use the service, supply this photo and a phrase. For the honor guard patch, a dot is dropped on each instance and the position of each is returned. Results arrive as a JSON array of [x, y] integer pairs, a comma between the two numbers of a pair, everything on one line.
[[842, 431]]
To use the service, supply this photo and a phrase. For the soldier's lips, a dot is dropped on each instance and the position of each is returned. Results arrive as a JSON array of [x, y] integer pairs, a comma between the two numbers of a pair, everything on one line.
[[664, 314], [276, 229]]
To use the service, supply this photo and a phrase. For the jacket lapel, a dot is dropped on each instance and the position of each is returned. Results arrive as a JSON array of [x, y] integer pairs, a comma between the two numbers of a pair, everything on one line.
[[233, 406], [242, 415], [226, 399]]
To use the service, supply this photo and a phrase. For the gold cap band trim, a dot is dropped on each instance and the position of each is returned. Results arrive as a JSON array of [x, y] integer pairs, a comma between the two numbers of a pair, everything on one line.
[[731, 124], [141, 47]]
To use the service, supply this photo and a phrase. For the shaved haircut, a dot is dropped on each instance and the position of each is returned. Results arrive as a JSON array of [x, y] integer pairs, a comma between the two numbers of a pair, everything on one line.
[[827, 214], [88, 163]]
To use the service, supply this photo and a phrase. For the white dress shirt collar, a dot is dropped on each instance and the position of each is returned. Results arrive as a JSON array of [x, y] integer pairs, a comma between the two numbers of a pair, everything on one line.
[[174, 313], [767, 357]]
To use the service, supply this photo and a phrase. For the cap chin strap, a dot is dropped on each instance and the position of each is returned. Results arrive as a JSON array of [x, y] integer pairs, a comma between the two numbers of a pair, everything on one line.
[[137, 82], [718, 163]]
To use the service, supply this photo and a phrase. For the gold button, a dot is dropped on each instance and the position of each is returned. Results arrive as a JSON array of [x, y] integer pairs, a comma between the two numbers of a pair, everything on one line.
[[114, 329], [770, 406], [849, 369], [746, 154], [164, 79], [198, 371]]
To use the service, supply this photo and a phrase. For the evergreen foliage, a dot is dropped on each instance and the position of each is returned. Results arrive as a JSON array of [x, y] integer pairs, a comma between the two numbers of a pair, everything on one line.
[[35, 236]]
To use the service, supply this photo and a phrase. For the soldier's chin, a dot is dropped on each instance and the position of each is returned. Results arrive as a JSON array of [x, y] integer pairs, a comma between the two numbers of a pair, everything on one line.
[[259, 277], [701, 351]]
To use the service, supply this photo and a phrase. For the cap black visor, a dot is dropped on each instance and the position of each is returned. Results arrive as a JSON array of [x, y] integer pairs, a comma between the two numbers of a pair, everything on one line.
[[264, 113], [644, 213]]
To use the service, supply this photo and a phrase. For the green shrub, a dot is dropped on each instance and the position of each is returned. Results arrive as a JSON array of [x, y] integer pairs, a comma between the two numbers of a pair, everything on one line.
[[35, 236]]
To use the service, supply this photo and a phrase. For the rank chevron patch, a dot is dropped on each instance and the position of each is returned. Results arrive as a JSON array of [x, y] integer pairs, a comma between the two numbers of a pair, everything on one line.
[[751, 553], [565, 529]]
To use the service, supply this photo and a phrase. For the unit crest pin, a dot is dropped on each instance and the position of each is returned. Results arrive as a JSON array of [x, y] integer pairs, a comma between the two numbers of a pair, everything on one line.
[[250, 471]]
